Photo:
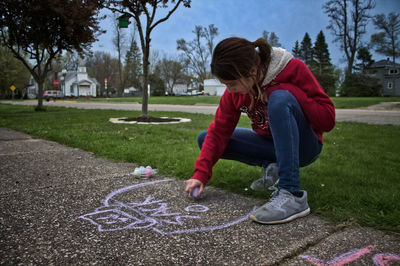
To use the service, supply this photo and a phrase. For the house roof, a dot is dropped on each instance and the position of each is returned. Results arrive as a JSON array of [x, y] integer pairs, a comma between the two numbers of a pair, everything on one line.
[[212, 82], [383, 63]]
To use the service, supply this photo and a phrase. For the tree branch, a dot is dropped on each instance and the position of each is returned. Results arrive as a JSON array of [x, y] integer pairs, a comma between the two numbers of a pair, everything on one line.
[[167, 16]]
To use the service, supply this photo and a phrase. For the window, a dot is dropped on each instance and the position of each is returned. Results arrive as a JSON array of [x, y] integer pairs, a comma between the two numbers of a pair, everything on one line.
[[393, 71], [390, 85]]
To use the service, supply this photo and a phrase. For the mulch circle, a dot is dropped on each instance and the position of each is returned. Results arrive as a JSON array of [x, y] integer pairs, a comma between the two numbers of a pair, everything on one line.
[[149, 120]]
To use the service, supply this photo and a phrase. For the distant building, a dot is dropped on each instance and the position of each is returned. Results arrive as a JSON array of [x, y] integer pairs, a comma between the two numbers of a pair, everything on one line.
[[180, 87], [77, 83], [213, 87], [132, 92], [388, 75], [32, 89]]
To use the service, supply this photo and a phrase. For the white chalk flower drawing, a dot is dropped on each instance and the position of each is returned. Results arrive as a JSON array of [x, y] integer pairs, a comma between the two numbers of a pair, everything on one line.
[[149, 213]]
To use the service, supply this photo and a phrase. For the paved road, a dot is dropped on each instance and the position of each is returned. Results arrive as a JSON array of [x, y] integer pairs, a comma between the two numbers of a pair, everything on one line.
[[64, 206], [353, 115]]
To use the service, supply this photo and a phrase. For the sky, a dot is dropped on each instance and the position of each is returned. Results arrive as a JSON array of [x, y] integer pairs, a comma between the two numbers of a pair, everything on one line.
[[289, 19]]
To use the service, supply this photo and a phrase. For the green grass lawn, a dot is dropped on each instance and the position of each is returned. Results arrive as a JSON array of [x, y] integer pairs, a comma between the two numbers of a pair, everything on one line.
[[356, 178], [356, 102], [340, 102]]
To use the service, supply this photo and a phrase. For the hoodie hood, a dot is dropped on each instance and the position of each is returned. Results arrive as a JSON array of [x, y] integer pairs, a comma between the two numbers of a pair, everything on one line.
[[279, 59]]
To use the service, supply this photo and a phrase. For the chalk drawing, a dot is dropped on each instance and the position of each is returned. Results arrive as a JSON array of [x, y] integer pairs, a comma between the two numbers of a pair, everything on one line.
[[381, 259], [115, 215], [385, 259], [342, 259]]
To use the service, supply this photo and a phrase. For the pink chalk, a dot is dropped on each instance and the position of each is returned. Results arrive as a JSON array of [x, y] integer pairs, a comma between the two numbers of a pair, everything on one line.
[[385, 259], [341, 260]]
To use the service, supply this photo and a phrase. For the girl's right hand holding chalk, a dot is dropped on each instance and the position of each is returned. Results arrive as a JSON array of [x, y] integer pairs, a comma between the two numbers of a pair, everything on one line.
[[194, 187]]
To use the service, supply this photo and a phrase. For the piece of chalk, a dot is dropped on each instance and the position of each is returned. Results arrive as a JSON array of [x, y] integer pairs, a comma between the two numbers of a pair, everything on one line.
[[195, 192]]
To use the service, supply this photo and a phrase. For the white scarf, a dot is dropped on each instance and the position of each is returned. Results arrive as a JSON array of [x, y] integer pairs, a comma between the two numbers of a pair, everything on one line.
[[279, 59]]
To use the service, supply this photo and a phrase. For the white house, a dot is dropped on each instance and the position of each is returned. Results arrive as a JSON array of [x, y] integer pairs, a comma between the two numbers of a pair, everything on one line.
[[213, 87], [77, 83], [32, 88], [180, 87], [131, 91]]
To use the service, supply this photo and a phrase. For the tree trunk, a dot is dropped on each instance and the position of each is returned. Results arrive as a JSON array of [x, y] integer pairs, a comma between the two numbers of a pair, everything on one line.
[[394, 77], [121, 83], [349, 69], [40, 94], [145, 95]]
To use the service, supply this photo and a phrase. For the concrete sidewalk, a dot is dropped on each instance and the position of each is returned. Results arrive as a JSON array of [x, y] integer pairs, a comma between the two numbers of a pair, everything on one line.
[[61, 205]]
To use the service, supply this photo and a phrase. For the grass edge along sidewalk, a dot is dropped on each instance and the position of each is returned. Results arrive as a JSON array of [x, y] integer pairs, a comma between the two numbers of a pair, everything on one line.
[[354, 180], [339, 102]]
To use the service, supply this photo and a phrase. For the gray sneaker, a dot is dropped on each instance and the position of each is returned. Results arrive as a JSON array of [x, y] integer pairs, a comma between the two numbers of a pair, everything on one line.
[[282, 207], [268, 180]]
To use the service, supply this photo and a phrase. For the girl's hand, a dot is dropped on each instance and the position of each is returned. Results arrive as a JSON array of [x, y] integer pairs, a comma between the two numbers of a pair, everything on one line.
[[191, 184]]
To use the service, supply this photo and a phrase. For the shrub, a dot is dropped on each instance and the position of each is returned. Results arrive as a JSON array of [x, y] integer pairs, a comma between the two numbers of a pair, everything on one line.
[[359, 85]]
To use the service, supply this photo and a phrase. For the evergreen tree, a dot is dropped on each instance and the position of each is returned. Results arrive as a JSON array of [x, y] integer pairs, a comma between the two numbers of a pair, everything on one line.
[[133, 65], [321, 66], [306, 49], [296, 50], [365, 58], [321, 53], [271, 38]]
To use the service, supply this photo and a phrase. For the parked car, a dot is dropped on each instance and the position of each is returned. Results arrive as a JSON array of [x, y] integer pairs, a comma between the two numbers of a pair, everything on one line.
[[52, 95], [194, 93]]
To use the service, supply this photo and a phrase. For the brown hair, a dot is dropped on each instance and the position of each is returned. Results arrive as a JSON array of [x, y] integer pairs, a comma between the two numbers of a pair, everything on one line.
[[233, 58]]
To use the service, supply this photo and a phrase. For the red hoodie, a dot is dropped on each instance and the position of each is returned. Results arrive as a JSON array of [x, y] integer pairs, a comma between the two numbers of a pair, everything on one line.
[[295, 78]]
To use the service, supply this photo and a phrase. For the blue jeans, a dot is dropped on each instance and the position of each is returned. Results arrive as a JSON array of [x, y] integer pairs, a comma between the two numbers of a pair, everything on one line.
[[294, 143]]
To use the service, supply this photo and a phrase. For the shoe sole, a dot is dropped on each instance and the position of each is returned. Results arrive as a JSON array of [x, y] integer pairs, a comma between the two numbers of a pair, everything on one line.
[[286, 220]]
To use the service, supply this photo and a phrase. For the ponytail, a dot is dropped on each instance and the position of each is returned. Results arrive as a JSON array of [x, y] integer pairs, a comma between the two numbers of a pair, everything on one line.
[[264, 52]]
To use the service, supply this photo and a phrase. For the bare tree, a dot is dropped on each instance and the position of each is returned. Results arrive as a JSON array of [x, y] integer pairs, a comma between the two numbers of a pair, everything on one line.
[[144, 13], [102, 65], [119, 43], [196, 54], [387, 42], [154, 58], [209, 34], [171, 70], [348, 21]]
